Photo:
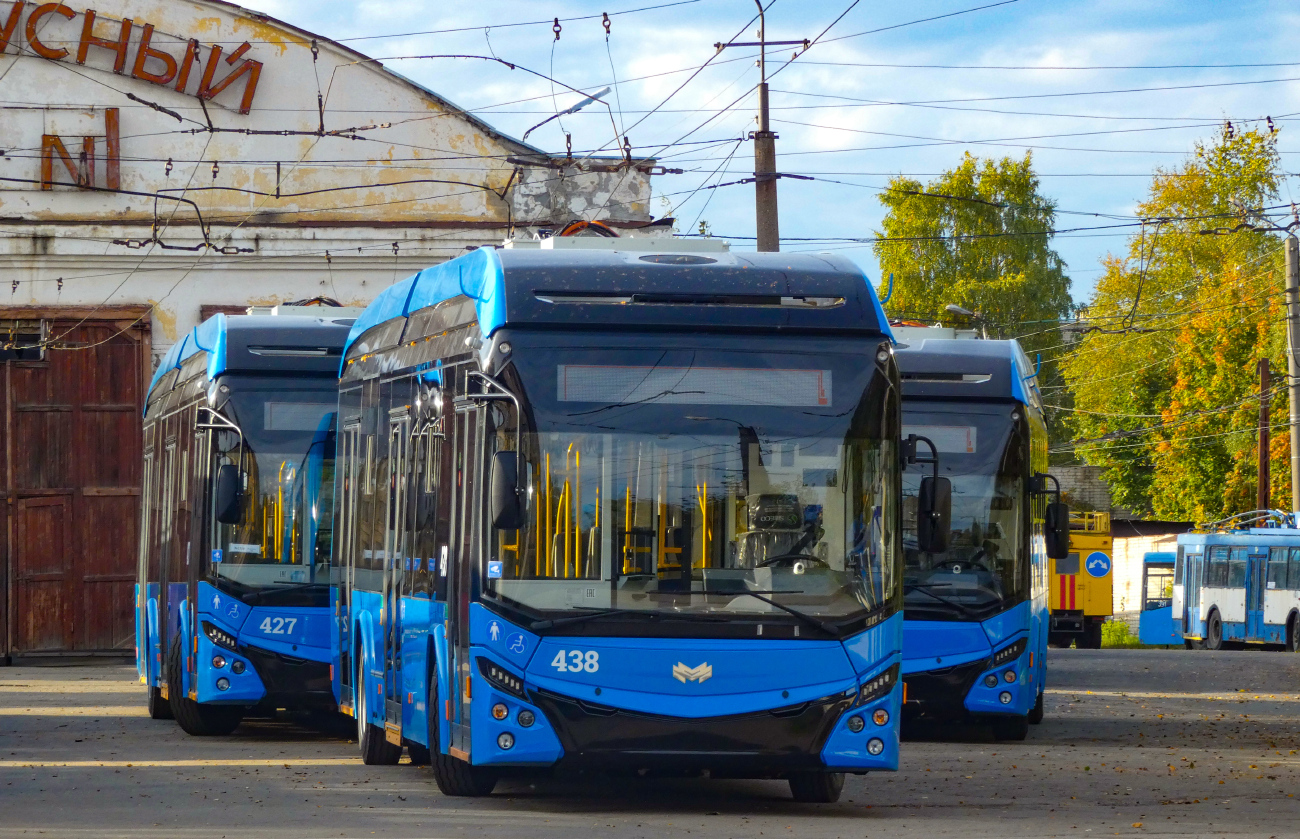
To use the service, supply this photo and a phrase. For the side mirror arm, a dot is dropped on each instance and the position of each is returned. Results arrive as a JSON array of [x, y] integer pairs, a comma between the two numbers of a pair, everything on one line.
[[911, 456]]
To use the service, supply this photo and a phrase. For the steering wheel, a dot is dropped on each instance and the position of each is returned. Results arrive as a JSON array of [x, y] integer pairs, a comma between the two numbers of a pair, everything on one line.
[[972, 562], [788, 560]]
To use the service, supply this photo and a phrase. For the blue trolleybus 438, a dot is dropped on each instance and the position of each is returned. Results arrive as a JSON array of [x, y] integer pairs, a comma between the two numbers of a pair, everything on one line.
[[622, 506], [976, 611], [233, 595], [1238, 583]]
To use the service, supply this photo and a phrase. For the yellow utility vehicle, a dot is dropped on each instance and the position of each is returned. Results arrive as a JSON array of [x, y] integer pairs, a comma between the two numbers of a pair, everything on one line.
[[1082, 584]]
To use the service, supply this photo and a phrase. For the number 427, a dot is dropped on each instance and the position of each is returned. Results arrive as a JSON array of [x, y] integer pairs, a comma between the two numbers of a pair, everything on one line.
[[576, 661], [278, 626]]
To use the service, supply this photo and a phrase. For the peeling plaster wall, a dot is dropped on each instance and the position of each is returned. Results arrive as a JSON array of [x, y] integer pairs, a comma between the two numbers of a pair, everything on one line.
[[403, 167]]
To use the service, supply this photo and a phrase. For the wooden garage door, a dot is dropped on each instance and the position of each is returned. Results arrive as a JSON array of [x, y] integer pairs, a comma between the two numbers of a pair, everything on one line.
[[70, 447]]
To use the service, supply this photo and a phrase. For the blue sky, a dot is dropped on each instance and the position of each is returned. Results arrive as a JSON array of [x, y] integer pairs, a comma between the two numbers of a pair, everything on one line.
[[825, 128]]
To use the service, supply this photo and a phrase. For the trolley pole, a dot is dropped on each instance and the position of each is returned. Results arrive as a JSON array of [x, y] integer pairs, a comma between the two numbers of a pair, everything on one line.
[[768, 229], [1262, 493], [1293, 360]]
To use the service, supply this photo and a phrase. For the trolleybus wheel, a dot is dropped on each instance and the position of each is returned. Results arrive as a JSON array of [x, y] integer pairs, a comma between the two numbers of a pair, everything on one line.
[[817, 787], [419, 754], [1092, 635], [453, 775], [193, 718], [1214, 632], [159, 708], [1010, 728], [1293, 635], [375, 749], [1036, 715]]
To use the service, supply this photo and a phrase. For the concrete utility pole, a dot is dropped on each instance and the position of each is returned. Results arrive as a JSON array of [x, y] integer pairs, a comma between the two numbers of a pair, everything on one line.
[[1293, 359], [1262, 492], [765, 174]]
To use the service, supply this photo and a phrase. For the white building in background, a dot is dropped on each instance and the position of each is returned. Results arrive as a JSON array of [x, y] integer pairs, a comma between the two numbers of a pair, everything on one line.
[[183, 155], [160, 161]]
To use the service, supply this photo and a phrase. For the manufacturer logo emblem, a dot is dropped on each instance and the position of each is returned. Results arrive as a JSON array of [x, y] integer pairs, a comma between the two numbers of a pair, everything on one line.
[[685, 674]]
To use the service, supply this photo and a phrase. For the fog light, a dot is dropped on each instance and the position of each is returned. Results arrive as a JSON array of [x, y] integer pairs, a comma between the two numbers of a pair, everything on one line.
[[856, 724], [237, 667], [506, 740], [875, 745], [500, 712], [1009, 676], [880, 717], [218, 661], [223, 683], [991, 680], [1005, 697], [526, 719]]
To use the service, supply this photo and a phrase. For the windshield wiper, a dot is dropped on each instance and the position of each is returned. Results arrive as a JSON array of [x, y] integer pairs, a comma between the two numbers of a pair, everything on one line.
[[922, 587], [592, 615], [828, 628]]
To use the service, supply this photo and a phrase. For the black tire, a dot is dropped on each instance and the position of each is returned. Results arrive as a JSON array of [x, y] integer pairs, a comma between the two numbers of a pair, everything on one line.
[[453, 775], [1010, 728], [419, 754], [159, 708], [1213, 632], [817, 787], [1058, 640], [196, 719], [375, 749], [1036, 714], [1092, 635], [1293, 635]]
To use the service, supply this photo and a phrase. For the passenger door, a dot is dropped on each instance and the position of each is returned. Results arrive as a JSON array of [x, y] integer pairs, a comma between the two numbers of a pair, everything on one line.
[[466, 546], [395, 560], [1193, 575], [1256, 574]]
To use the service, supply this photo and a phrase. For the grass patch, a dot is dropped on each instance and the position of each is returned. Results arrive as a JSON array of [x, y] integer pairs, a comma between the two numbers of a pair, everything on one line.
[[1115, 635]]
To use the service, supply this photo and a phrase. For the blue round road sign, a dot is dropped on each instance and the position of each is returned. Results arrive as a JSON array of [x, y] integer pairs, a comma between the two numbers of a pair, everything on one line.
[[1097, 564]]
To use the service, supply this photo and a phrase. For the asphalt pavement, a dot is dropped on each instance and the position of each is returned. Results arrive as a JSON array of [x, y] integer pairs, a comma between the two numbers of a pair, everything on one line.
[[1135, 742]]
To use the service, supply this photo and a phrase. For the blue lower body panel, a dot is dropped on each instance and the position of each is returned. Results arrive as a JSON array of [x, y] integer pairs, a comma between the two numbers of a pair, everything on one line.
[[1156, 626]]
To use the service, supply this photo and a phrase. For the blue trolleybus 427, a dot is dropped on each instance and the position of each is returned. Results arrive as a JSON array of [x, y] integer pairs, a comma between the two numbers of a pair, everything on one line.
[[1238, 583], [233, 595], [975, 632], [624, 506]]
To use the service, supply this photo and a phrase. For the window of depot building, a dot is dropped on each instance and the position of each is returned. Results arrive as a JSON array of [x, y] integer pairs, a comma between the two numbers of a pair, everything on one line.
[[23, 340]]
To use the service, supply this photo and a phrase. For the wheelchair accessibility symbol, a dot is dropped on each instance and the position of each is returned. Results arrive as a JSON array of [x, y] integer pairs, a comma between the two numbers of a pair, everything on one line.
[[1097, 564], [516, 644]]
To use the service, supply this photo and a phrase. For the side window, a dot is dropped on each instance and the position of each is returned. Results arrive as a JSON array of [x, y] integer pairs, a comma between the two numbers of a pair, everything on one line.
[[1179, 561], [1293, 568], [1277, 562], [1237, 568], [1216, 575]]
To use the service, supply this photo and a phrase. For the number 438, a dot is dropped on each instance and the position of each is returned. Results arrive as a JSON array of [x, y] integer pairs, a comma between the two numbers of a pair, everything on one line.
[[576, 661]]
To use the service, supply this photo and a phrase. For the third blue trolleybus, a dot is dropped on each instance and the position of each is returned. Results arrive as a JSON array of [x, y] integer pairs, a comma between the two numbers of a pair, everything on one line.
[[233, 597], [976, 610], [622, 505]]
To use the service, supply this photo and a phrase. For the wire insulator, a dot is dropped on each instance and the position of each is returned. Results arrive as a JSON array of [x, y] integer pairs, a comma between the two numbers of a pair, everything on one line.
[[604, 21], [556, 28]]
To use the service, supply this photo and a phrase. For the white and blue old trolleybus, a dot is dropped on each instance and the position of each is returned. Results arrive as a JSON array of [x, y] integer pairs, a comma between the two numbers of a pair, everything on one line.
[[975, 634], [233, 594], [622, 505], [1239, 583]]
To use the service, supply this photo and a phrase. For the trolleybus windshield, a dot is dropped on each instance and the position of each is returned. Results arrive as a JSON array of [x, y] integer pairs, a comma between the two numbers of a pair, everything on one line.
[[286, 458], [702, 483], [982, 451]]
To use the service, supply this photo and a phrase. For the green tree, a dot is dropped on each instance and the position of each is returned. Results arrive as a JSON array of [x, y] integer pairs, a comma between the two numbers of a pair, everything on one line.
[[980, 236], [1162, 384]]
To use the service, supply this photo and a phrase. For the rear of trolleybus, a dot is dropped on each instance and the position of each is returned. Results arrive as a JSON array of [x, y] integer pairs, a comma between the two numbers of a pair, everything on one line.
[[236, 520], [976, 608], [618, 508]]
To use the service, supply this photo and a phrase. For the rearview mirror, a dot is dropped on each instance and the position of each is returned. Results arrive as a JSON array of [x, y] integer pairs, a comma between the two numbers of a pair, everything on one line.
[[1056, 526], [228, 498], [934, 515], [507, 509]]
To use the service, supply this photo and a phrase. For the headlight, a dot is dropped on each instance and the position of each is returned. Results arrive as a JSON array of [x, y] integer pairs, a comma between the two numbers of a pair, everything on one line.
[[1010, 653], [1009, 676], [219, 636], [856, 724], [501, 677], [880, 717], [218, 661], [500, 712], [223, 683], [875, 745], [1005, 697], [879, 686], [526, 719], [991, 680], [237, 667], [506, 741]]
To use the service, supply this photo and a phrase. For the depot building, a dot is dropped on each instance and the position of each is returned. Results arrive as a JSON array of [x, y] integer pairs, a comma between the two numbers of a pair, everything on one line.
[[163, 161]]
